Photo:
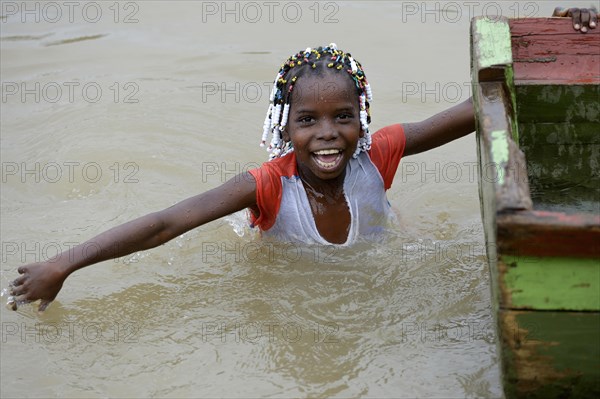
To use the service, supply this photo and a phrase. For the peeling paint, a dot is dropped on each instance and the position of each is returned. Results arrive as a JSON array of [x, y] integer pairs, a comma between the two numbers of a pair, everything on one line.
[[500, 152], [497, 51]]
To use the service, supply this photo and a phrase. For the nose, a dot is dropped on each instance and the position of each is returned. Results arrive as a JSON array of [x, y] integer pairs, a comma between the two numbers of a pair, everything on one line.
[[328, 130]]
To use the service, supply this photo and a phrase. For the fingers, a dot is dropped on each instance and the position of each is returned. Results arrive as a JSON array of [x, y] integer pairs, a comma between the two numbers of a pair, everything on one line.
[[13, 302], [18, 290], [18, 286], [18, 281], [43, 305], [22, 290], [575, 13], [583, 18], [588, 20], [593, 18]]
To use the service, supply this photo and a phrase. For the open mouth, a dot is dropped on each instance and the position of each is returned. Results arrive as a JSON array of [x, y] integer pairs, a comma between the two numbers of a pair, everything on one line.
[[328, 159]]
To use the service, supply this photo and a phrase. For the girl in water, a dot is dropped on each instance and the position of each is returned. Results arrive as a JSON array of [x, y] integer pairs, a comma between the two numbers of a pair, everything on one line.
[[325, 182]]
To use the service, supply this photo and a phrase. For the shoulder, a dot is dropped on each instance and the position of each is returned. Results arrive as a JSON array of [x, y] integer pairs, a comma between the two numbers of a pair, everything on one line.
[[389, 133], [387, 148], [269, 188], [284, 166], [388, 141]]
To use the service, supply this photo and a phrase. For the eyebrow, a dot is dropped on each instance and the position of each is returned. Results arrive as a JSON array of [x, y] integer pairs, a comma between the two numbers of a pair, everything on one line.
[[310, 110]]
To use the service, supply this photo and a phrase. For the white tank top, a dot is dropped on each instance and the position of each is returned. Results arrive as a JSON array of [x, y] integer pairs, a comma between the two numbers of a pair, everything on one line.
[[365, 197]]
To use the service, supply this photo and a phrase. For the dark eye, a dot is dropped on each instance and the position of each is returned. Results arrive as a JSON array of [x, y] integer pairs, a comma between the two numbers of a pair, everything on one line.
[[345, 116], [305, 120]]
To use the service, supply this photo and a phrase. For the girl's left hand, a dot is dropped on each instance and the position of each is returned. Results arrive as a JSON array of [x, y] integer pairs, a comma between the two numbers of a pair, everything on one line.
[[583, 18]]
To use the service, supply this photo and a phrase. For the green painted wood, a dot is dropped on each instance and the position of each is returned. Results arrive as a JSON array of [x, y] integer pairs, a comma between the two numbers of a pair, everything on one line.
[[492, 75], [551, 283], [550, 354], [500, 151], [563, 165], [557, 125], [558, 103], [554, 133], [494, 44], [491, 59], [563, 176]]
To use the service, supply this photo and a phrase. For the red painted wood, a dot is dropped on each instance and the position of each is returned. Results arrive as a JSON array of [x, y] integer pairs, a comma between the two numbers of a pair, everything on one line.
[[550, 50], [542, 233]]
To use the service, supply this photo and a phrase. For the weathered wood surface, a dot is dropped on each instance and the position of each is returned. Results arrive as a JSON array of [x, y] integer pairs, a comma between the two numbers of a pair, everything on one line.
[[555, 283], [512, 226], [558, 103], [506, 187], [550, 354], [543, 233], [545, 265], [550, 51], [502, 166]]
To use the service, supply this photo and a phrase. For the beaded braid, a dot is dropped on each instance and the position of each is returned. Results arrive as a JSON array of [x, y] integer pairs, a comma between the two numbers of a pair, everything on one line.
[[279, 100]]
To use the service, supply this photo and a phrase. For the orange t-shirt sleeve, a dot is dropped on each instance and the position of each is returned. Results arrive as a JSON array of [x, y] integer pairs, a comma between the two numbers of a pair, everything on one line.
[[387, 148], [269, 189], [268, 197]]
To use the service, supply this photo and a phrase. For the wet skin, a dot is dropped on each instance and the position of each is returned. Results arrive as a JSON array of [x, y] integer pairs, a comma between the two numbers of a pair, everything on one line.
[[324, 127]]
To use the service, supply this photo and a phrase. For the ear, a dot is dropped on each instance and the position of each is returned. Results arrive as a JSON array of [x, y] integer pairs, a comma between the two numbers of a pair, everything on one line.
[[285, 135]]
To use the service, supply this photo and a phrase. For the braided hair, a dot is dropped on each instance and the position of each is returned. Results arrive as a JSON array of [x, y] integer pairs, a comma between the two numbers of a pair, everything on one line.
[[295, 67]]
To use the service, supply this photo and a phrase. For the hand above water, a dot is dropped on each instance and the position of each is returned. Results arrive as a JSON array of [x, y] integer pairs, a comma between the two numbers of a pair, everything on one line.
[[37, 281]]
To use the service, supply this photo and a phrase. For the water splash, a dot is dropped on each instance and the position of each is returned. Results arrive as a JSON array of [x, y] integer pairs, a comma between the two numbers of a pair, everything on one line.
[[239, 222], [11, 300]]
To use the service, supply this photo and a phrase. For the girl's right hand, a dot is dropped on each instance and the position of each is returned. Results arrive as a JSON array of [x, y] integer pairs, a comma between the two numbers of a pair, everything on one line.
[[38, 281]]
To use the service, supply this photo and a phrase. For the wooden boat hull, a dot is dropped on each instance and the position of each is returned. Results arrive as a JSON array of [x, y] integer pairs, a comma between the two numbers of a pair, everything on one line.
[[536, 94]]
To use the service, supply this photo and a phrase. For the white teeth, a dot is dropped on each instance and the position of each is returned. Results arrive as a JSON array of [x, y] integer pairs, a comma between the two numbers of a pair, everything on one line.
[[327, 165], [327, 152]]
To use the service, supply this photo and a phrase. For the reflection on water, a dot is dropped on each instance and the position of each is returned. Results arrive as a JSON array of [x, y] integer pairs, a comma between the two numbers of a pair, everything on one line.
[[74, 40], [136, 127]]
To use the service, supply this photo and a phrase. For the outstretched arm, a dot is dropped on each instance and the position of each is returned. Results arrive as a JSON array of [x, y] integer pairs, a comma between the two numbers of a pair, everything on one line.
[[440, 129], [44, 280]]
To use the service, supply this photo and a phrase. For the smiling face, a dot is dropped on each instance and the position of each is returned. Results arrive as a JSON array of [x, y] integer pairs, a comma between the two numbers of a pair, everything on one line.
[[323, 125]]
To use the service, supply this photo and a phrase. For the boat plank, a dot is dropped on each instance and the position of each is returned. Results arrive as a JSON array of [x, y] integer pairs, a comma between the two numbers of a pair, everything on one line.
[[541, 360], [550, 51], [545, 233], [558, 103], [556, 283], [544, 263]]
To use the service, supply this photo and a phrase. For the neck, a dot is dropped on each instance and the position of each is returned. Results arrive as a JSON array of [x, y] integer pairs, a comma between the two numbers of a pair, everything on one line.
[[333, 188]]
